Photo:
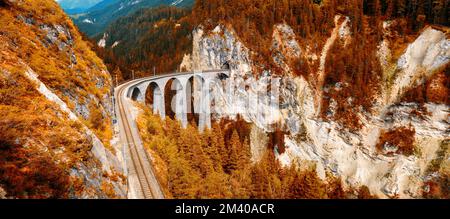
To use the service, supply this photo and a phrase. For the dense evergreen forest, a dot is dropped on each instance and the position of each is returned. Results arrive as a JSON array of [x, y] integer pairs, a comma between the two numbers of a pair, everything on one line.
[[217, 164], [148, 40], [253, 20]]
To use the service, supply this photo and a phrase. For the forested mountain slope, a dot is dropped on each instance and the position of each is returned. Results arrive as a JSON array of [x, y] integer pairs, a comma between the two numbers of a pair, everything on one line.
[[55, 108], [97, 18], [149, 39]]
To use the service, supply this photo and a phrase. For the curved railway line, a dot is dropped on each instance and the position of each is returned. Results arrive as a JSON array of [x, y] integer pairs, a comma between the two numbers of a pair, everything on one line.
[[140, 164]]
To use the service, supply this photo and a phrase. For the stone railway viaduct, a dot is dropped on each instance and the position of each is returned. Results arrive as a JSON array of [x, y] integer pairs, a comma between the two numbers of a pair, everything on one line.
[[183, 96]]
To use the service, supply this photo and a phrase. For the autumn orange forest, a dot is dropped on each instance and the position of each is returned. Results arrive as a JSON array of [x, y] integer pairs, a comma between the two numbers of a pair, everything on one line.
[[98, 99]]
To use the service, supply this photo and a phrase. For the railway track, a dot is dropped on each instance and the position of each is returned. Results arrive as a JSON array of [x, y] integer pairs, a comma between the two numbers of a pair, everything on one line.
[[140, 164], [140, 170]]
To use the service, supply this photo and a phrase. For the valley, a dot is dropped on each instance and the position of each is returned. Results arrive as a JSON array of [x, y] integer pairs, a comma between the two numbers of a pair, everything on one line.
[[220, 99]]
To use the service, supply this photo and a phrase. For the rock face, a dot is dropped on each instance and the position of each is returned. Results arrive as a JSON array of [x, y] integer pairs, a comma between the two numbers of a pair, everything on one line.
[[285, 45], [430, 51], [220, 48], [246, 95], [351, 155], [43, 59]]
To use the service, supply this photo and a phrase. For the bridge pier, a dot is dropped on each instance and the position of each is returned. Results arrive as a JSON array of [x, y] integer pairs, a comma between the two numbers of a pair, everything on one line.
[[179, 103], [158, 103], [204, 108]]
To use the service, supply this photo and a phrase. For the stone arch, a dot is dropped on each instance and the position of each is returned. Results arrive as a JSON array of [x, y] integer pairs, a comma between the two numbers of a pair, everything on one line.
[[194, 92], [225, 66], [222, 76], [136, 95], [153, 97], [173, 91]]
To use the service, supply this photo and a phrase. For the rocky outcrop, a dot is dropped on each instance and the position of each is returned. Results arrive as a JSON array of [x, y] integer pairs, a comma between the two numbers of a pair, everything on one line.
[[220, 48], [285, 46], [430, 51]]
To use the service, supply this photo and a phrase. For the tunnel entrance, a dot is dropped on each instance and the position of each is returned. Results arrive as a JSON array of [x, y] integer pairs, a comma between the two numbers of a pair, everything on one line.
[[222, 76], [225, 66]]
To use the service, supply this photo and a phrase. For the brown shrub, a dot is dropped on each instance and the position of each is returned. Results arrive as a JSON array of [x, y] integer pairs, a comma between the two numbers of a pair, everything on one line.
[[242, 127], [438, 188], [307, 185], [108, 189], [276, 138], [434, 90], [364, 193], [29, 174], [401, 138]]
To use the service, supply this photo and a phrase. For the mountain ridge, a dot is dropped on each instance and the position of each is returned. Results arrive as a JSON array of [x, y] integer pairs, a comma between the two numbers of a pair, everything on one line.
[[97, 18], [76, 6]]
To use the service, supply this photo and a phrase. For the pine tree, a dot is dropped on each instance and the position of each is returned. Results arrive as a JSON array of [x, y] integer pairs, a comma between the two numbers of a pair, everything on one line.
[[307, 185], [334, 188], [218, 142], [216, 185], [233, 151], [364, 193], [240, 178], [184, 182], [244, 154], [191, 146], [260, 182], [210, 146]]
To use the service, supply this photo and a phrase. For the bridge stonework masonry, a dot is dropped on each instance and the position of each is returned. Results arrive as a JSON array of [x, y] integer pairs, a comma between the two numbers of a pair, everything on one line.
[[188, 93]]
